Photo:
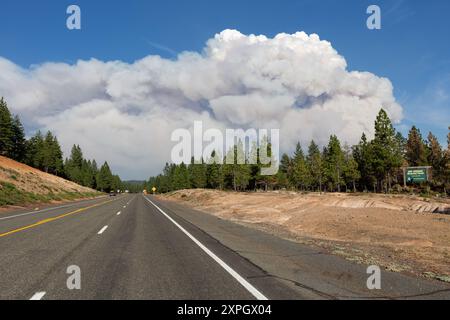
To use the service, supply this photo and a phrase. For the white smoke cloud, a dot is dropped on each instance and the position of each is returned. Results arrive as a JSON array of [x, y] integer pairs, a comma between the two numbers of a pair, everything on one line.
[[125, 113]]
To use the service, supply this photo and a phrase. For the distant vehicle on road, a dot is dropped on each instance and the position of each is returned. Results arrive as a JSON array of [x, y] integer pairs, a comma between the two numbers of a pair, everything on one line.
[[112, 194]]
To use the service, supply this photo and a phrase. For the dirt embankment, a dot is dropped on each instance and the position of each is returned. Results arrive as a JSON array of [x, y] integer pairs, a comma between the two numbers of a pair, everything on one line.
[[401, 233], [21, 185]]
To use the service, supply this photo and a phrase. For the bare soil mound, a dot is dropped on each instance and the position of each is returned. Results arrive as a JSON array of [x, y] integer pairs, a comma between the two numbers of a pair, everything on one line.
[[401, 233]]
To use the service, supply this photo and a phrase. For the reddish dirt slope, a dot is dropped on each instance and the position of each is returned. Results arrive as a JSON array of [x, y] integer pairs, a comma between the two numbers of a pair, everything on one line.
[[28, 179]]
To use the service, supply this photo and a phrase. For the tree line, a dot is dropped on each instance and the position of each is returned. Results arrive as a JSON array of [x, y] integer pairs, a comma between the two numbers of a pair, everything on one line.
[[43, 152], [369, 166]]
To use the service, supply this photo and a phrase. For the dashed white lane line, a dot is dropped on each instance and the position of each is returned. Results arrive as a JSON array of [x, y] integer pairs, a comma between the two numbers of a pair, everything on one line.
[[131, 201], [118, 213], [124, 207], [103, 229], [38, 296], [250, 288]]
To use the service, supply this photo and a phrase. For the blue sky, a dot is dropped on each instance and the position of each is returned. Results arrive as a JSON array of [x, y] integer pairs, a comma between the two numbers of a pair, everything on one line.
[[412, 49]]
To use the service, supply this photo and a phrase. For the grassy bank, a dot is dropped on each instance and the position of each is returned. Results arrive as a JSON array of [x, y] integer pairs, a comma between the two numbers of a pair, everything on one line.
[[10, 195]]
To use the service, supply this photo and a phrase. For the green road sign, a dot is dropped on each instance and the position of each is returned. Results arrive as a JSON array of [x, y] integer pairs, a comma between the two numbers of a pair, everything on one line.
[[416, 175]]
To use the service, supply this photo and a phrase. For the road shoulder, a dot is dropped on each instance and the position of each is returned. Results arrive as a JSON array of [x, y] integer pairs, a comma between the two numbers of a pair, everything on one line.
[[309, 271]]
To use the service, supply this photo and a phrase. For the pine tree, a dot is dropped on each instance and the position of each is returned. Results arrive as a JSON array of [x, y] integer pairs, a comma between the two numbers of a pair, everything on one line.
[[351, 172], [76, 156], [88, 174], [265, 160], [105, 178], [6, 129], [94, 169], [446, 165], [48, 154], [230, 170], [242, 173], [35, 146], [166, 178], [19, 144], [416, 151], [285, 164], [116, 184], [243, 179], [284, 172], [402, 141], [236, 170], [214, 172], [197, 174], [74, 165], [315, 165], [254, 167], [334, 163], [448, 140], [181, 177], [58, 155], [386, 156], [363, 156], [436, 158], [44, 153], [300, 174]]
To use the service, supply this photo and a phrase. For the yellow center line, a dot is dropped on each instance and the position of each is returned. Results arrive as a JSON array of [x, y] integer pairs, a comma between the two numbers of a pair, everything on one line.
[[52, 219]]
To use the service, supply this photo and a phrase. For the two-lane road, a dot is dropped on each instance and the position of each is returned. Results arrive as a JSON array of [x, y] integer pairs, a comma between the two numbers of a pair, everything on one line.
[[136, 247], [125, 248]]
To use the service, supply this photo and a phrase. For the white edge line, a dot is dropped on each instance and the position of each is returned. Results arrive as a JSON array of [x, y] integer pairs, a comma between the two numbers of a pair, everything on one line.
[[255, 292], [103, 230], [50, 209], [39, 211], [38, 296]]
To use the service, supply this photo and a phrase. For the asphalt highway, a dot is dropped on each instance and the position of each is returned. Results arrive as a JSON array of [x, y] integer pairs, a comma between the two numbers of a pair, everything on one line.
[[136, 247]]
